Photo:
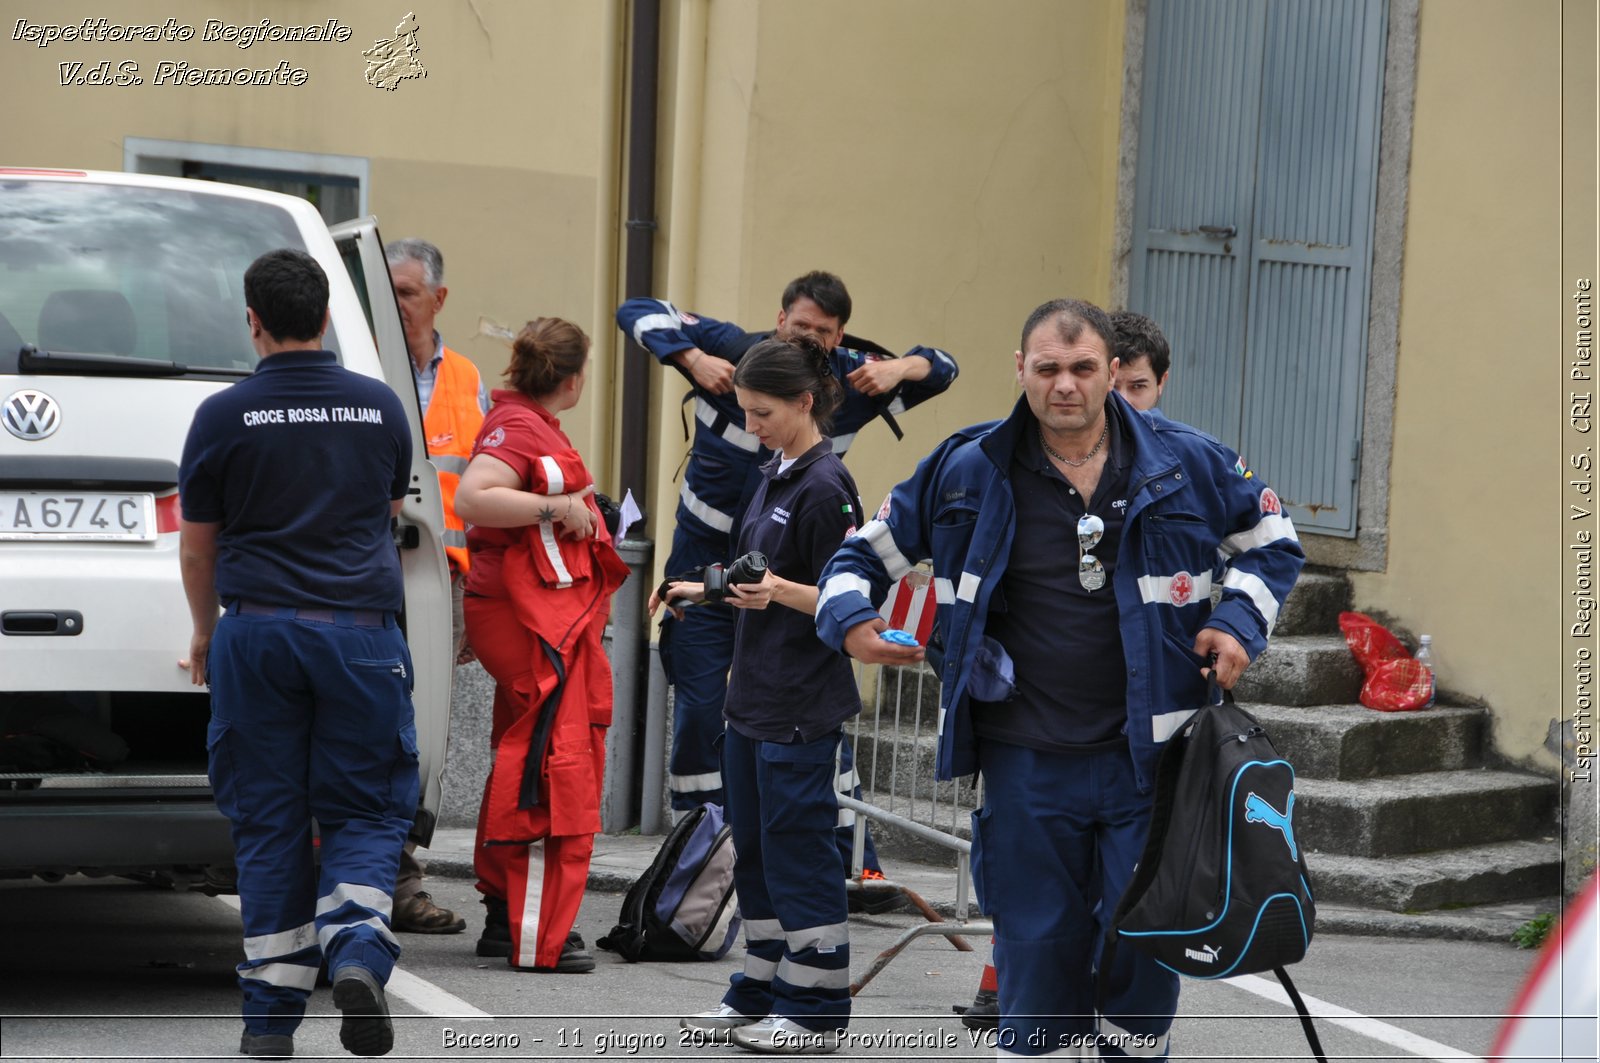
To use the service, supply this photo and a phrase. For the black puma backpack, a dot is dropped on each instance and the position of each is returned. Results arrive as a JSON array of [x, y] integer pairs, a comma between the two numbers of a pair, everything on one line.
[[1221, 888]]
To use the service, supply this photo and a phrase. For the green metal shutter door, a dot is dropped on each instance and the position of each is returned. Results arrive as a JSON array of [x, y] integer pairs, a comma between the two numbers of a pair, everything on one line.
[[1197, 146], [1277, 372]]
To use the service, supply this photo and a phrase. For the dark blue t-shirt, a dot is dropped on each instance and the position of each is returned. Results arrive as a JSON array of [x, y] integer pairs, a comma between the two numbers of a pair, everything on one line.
[[299, 463], [784, 679], [1064, 640]]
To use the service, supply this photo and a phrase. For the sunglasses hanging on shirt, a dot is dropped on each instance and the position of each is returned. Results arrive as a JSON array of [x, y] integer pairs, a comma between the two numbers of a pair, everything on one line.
[[1091, 573]]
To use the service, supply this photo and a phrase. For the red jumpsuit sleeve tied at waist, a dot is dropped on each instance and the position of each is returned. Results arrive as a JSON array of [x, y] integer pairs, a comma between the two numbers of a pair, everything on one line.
[[560, 591]]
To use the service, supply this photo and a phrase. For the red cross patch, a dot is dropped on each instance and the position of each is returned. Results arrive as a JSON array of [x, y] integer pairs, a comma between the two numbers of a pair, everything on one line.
[[495, 438], [1182, 591], [883, 510], [1269, 502]]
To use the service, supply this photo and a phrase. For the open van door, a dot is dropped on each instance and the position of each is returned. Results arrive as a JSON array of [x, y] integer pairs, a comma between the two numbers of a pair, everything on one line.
[[419, 530]]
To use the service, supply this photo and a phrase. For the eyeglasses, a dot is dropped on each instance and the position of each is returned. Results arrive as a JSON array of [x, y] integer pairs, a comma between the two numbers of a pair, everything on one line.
[[1091, 573]]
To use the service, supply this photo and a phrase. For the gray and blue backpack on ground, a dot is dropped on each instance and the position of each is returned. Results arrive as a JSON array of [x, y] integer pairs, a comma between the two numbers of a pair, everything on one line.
[[683, 906], [1221, 888]]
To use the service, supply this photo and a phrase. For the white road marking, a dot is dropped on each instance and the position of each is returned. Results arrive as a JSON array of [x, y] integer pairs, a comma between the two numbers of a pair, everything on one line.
[[1404, 1040], [417, 992]]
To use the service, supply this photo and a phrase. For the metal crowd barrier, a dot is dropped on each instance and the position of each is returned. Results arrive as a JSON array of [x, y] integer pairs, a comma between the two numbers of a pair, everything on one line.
[[895, 741], [936, 926]]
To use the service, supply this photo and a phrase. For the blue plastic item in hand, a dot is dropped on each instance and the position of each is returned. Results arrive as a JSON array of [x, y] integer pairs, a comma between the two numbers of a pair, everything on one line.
[[899, 638]]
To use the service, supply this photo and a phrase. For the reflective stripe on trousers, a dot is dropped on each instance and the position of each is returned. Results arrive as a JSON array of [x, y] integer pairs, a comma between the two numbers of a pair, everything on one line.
[[782, 810]]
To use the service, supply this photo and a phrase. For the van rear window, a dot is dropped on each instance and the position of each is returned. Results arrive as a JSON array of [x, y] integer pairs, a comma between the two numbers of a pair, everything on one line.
[[148, 273]]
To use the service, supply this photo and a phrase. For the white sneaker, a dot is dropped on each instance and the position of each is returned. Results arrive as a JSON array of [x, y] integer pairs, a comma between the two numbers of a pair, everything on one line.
[[778, 1034], [716, 1024]]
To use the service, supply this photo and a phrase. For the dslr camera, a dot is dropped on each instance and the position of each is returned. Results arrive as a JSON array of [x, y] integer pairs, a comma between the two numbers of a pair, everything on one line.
[[748, 569], [719, 577]]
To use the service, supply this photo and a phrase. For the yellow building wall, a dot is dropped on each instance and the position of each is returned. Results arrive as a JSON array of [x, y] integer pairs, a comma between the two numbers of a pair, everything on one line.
[[953, 162], [1476, 510], [500, 155]]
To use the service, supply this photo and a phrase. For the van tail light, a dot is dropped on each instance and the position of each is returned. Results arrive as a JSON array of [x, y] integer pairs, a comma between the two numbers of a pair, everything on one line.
[[168, 515]]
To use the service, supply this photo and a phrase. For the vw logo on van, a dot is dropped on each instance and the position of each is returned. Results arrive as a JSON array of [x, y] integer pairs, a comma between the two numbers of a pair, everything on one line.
[[30, 415]]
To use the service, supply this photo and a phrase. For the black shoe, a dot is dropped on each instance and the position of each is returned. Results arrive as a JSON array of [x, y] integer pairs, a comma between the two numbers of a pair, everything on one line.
[[575, 959], [366, 1030], [267, 1045], [983, 1013], [876, 901], [496, 937]]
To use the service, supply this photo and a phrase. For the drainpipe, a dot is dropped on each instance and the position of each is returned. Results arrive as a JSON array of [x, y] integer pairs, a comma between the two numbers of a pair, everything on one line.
[[687, 123], [630, 658], [641, 231]]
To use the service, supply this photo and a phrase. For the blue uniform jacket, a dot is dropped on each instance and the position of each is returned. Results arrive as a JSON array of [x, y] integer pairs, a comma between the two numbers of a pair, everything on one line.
[[725, 461], [1190, 497]]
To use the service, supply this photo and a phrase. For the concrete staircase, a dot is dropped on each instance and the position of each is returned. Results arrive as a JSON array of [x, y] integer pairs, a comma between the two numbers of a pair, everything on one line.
[[1397, 811]]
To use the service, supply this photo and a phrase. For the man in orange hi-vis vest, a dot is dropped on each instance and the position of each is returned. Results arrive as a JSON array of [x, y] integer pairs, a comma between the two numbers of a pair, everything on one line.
[[453, 401]]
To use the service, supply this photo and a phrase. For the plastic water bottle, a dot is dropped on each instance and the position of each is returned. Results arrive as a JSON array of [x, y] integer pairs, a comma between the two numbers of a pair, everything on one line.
[[1425, 657]]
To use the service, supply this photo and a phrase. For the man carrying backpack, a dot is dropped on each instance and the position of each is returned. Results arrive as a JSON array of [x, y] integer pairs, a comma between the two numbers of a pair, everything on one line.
[[1062, 682]]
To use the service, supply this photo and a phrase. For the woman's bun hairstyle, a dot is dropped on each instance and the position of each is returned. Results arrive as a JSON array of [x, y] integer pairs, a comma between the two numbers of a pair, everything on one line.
[[788, 369], [546, 352]]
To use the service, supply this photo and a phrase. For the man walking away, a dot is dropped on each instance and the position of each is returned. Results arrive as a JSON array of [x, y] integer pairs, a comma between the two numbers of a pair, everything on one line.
[[288, 483]]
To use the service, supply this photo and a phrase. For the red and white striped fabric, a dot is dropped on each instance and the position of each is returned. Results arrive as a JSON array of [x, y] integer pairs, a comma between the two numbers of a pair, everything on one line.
[[910, 605]]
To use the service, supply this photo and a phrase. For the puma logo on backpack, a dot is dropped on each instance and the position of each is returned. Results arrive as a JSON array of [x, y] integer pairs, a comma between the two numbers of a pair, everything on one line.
[[1221, 888]]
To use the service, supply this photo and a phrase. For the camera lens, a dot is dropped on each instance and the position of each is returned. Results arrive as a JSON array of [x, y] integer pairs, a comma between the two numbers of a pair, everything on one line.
[[748, 569]]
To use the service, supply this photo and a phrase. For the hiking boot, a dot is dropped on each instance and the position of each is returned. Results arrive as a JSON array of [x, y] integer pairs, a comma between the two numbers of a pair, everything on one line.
[[267, 1045], [418, 914], [874, 901], [780, 1035], [717, 1025], [496, 937], [984, 1011], [366, 1030], [575, 959]]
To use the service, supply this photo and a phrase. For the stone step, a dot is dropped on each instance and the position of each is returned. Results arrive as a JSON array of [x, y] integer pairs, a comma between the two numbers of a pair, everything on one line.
[[900, 697], [900, 763], [1453, 878], [1302, 670], [1406, 814], [1314, 605], [952, 818], [1355, 742]]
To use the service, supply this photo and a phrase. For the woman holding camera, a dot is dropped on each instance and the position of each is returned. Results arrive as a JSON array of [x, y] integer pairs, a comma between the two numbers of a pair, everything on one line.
[[788, 697], [536, 602]]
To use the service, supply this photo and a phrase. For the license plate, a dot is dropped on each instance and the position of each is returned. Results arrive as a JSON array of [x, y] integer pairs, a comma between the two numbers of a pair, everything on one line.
[[77, 516]]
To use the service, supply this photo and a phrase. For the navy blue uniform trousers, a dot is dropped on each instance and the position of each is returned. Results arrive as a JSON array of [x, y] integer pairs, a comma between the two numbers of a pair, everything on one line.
[[311, 721], [696, 653], [790, 880], [1053, 848]]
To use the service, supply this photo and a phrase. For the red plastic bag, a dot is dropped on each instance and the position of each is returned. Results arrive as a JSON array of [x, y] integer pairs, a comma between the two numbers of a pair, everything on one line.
[[1395, 681]]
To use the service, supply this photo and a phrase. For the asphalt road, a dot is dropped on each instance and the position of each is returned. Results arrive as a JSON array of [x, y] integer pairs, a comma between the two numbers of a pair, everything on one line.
[[96, 969]]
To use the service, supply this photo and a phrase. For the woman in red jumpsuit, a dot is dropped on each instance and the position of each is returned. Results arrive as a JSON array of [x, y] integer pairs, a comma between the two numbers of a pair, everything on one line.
[[537, 597]]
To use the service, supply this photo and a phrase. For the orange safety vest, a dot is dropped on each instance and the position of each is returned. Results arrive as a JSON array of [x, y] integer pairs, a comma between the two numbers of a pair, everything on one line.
[[451, 426]]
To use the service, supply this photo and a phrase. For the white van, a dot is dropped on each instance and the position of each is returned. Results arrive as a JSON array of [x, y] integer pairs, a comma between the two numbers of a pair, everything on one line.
[[121, 308]]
